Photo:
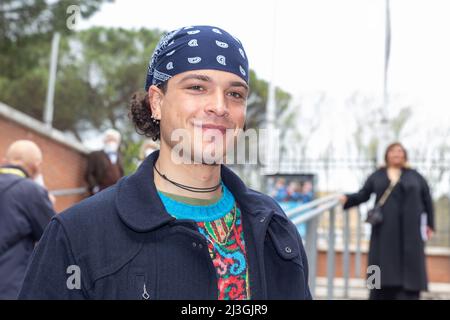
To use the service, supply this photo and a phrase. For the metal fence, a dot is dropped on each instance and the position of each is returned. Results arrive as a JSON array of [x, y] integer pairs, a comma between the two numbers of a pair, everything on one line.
[[329, 170], [311, 213]]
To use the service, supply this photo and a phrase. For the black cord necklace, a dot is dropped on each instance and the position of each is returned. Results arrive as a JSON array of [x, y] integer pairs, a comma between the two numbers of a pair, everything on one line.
[[189, 188]]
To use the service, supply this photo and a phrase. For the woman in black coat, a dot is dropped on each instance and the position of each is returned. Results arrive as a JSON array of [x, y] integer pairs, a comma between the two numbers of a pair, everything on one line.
[[397, 243]]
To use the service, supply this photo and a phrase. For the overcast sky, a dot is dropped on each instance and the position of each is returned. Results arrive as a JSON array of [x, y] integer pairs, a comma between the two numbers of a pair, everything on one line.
[[320, 44]]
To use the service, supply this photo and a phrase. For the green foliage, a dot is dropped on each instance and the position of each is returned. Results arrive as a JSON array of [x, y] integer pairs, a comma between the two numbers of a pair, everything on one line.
[[26, 29], [31, 21], [110, 65], [130, 153]]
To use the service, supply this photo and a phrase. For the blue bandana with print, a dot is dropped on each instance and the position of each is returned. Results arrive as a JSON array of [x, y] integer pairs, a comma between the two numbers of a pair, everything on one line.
[[196, 48]]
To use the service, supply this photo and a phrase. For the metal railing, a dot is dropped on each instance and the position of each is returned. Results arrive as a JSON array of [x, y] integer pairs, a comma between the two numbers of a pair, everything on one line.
[[310, 213], [68, 192]]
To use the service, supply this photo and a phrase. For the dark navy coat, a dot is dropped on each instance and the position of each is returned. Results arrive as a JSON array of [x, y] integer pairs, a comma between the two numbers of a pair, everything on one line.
[[25, 211], [126, 245], [396, 245]]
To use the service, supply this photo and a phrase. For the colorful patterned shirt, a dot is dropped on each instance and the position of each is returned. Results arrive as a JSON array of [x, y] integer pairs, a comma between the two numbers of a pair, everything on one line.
[[219, 221]]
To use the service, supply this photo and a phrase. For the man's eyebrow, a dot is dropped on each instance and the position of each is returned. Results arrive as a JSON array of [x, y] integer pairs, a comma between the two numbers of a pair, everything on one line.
[[205, 78], [195, 76], [239, 84]]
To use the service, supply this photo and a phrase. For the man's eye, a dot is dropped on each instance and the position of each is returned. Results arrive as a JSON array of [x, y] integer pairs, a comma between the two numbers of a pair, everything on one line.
[[196, 88], [236, 95]]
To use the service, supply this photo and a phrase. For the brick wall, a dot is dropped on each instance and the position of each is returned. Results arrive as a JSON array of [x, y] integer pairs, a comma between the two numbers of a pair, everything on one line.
[[63, 167]]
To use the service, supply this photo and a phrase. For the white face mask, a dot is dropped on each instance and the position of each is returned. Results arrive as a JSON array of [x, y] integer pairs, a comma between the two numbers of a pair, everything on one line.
[[147, 152], [111, 146], [39, 179]]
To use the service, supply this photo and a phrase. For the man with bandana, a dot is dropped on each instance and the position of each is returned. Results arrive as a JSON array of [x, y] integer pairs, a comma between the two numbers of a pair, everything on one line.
[[184, 226]]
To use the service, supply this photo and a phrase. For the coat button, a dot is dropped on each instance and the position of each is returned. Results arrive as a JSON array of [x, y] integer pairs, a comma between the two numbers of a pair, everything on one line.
[[194, 244], [288, 249], [200, 246]]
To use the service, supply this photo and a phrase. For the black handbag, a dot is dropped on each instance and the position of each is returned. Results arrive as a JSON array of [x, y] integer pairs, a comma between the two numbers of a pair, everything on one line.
[[375, 215]]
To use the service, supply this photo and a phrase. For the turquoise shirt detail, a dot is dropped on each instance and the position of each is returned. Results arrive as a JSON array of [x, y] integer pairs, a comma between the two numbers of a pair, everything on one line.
[[205, 213]]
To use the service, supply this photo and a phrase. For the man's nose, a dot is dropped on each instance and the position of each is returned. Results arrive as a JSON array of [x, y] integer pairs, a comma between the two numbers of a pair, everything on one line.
[[218, 105]]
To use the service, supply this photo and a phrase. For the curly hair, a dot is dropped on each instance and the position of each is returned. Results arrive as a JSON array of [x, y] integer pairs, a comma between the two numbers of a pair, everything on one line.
[[141, 114]]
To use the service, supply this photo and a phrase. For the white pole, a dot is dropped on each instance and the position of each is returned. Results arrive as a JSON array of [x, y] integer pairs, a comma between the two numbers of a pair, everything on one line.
[[49, 107], [271, 103], [385, 135]]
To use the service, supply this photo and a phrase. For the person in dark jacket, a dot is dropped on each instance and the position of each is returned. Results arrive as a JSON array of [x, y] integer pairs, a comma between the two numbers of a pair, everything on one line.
[[397, 243], [25, 210], [104, 167], [182, 226]]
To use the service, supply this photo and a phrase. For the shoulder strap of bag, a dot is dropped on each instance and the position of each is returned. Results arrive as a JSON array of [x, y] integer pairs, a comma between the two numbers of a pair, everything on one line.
[[386, 194]]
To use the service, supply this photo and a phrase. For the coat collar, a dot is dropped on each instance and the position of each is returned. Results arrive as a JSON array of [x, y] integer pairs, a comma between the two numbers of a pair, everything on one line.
[[13, 169], [140, 208]]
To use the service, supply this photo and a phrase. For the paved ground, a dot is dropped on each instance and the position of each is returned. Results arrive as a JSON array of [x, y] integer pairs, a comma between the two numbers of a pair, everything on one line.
[[358, 291]]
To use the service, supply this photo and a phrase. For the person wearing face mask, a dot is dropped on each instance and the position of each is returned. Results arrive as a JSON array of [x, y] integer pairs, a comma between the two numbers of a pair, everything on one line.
[[39, 179], [104, 167], [147, 148], [25, 211]]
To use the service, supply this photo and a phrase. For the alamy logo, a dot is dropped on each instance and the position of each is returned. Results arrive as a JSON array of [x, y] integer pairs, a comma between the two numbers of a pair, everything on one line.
[[75, 15], [374, 279], [74, 280], [145, 294], [230, 146]]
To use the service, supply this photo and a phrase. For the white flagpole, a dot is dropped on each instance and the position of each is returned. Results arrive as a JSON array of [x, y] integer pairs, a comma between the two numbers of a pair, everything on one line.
[[385, 136], [49, 107], [271, 103]]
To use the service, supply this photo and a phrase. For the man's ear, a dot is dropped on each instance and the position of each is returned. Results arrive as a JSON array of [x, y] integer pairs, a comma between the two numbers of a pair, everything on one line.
[[155, 97], [32, 169]]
